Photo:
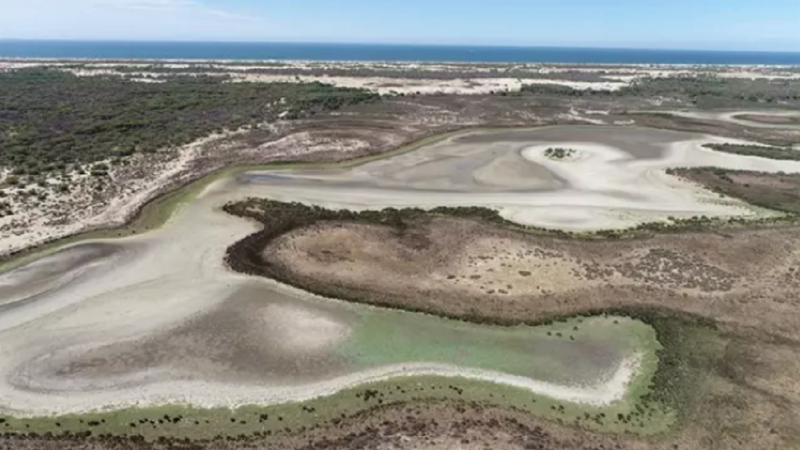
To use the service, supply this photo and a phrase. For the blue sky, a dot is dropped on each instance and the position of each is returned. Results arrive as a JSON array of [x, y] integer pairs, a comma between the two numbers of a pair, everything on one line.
[[696, 24]]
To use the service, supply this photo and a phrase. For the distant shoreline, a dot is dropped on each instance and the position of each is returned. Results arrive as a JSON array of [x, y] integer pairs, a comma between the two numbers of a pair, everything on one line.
[[229, 52], [289, 62]]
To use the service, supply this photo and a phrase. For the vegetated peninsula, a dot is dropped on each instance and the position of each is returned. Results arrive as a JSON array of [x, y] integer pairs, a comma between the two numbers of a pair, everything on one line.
[[762, 151]]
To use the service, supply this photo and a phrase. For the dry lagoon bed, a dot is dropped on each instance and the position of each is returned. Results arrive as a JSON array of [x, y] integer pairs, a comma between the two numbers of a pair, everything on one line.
[[615, 178], [158, 318]]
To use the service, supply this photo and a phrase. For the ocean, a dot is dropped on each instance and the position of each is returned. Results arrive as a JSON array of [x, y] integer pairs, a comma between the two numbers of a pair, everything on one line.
[[380, 52]]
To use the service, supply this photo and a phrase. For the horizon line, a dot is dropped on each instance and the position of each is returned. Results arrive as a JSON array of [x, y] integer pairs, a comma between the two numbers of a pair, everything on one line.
[[394, 44]]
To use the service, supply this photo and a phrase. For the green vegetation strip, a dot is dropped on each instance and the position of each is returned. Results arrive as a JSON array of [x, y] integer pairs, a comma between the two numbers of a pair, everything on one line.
[[762, 151], [771, 191], [184, 421]]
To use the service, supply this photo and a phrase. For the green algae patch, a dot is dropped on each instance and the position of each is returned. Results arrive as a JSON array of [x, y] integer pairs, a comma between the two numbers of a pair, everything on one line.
[[630, 414]]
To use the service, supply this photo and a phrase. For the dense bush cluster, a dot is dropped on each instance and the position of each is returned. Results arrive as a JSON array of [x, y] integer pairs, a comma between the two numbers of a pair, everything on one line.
[[50, 119], [558, 153]]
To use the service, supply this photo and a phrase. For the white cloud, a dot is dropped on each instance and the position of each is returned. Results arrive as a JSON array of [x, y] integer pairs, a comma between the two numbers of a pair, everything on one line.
[[149, 4], [233, 15], [176, 6], [129, 20]]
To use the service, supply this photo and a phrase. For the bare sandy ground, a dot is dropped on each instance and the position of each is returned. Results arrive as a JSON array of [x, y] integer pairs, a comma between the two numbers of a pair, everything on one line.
[[33, 224], [162, 280], [616, 178]]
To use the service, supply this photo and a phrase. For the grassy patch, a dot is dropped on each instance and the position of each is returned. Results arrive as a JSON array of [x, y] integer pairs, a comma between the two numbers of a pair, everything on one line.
[[278, 218]]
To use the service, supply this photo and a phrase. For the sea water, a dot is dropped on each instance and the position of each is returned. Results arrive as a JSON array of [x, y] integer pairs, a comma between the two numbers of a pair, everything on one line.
[[380, 52]]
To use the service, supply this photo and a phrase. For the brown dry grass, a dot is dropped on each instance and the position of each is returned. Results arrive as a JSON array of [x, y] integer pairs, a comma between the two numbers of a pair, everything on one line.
[[456, 267]]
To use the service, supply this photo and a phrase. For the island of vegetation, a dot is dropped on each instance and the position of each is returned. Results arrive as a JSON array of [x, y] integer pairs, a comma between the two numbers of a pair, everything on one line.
[[559, 153]]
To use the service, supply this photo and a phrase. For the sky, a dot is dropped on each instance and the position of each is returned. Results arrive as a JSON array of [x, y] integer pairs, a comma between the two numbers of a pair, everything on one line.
[[673, 24]]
